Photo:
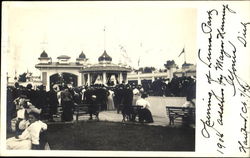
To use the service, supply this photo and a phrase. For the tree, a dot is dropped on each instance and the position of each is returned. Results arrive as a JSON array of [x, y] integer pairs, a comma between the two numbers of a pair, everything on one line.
[[169, 64], [146, 69], [22, 77]]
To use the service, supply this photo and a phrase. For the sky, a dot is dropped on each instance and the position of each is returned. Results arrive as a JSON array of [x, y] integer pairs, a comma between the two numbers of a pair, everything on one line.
[[149, 33]]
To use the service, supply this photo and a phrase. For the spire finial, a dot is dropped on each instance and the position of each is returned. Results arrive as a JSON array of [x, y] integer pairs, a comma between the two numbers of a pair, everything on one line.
[[44, 42], [104, 38]]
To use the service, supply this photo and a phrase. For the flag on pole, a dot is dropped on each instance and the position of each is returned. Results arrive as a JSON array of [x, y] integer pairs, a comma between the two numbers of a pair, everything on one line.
[[183, 50], [124, 54]]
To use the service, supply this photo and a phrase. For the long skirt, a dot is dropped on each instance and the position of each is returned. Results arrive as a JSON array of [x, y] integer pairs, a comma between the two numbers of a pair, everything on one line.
[[135, 98], [67, 114], [145, 114], [110, 103], [18, 144], [93, 109]]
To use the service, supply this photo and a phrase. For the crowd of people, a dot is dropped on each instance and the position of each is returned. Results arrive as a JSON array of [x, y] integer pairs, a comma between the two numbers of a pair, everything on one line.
[[28, 108], [178, 87], [65, 97]]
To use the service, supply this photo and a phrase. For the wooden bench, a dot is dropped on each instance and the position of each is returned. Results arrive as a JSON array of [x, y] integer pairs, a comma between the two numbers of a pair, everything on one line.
[[187, 114], [131, 113], [80, 109], [135, 111]]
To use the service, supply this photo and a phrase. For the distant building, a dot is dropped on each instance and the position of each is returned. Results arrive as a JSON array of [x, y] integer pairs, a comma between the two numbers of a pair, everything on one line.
[[80, 72], [141, 78], [105, 72], [187, 69]]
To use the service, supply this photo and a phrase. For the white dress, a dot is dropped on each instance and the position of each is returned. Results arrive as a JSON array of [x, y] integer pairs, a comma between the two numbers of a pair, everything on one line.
[[136, 96], [110, 101], [29, 136], [144, 103]]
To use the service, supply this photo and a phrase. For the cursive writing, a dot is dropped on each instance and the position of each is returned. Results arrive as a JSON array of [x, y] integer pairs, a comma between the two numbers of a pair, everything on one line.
[[207, 29], [243, 144], [221, 105], [243, 38], [220, 58]]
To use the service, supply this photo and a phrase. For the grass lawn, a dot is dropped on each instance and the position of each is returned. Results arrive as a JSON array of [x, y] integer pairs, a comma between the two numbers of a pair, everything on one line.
[[102, 135]]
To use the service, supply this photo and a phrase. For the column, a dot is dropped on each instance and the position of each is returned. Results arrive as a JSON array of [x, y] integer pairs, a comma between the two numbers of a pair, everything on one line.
[[83, 79], [44, 78], [104, 78], [79, 79], [139, 79], [170, 73], [88, 79], [47, 82], [153, 78], [120, 78]]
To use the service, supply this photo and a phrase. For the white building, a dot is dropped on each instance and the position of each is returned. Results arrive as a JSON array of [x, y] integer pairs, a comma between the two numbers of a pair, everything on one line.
[[80, 72]]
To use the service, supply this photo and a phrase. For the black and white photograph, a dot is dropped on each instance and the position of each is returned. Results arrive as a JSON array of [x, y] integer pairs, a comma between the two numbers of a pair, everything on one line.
[[99, 78]]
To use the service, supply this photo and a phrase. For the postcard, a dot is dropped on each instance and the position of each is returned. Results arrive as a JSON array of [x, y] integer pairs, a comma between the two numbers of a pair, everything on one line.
[[125, 78]]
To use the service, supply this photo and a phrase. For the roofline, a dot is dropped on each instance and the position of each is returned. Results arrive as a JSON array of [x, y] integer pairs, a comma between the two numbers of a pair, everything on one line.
[[107, 70], [44, 58], [87, 71], [58, 66]]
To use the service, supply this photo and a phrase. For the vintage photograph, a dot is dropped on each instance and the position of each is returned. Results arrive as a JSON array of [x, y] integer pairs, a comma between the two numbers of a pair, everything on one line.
[[99, 76]]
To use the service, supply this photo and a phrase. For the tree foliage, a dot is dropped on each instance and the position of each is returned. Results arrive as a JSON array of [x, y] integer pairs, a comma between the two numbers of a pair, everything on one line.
[[169, 64], [22, 77], [147, 69]]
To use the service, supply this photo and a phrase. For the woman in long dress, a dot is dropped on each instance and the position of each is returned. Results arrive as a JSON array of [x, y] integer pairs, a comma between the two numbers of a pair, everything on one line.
[[144, 113], [30, 137], [136, 95], [110, 101], [67, 105]]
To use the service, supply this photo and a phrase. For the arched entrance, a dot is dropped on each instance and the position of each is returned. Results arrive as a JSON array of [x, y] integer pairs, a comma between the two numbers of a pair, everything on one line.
[[63, 78]]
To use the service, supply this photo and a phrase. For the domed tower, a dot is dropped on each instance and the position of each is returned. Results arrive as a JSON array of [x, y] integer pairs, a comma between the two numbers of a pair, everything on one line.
[[81, 59], [44, 59], [104, 58]]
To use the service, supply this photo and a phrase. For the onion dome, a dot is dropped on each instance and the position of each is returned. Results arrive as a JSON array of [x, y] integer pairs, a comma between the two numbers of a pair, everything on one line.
[[63, 57], [105, 57], [81, 59], [44, 55], [82, 56]]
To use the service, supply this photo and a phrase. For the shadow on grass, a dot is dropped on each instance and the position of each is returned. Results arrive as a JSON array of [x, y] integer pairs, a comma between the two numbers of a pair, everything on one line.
[[102, 135]]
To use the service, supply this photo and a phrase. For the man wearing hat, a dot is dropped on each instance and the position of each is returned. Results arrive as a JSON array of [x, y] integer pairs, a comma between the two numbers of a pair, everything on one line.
[[52, 102], [93, 108]]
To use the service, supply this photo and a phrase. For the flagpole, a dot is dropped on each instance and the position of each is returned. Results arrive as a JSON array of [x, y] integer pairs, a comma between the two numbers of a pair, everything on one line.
[[184, 56]]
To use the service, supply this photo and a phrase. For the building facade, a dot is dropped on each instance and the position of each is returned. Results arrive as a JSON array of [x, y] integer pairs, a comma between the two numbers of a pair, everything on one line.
[[80, 72]]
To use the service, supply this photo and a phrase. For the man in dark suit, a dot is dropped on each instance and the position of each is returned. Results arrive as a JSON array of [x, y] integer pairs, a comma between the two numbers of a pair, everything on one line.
[[93, 108], [127, 101], [52, 102]]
